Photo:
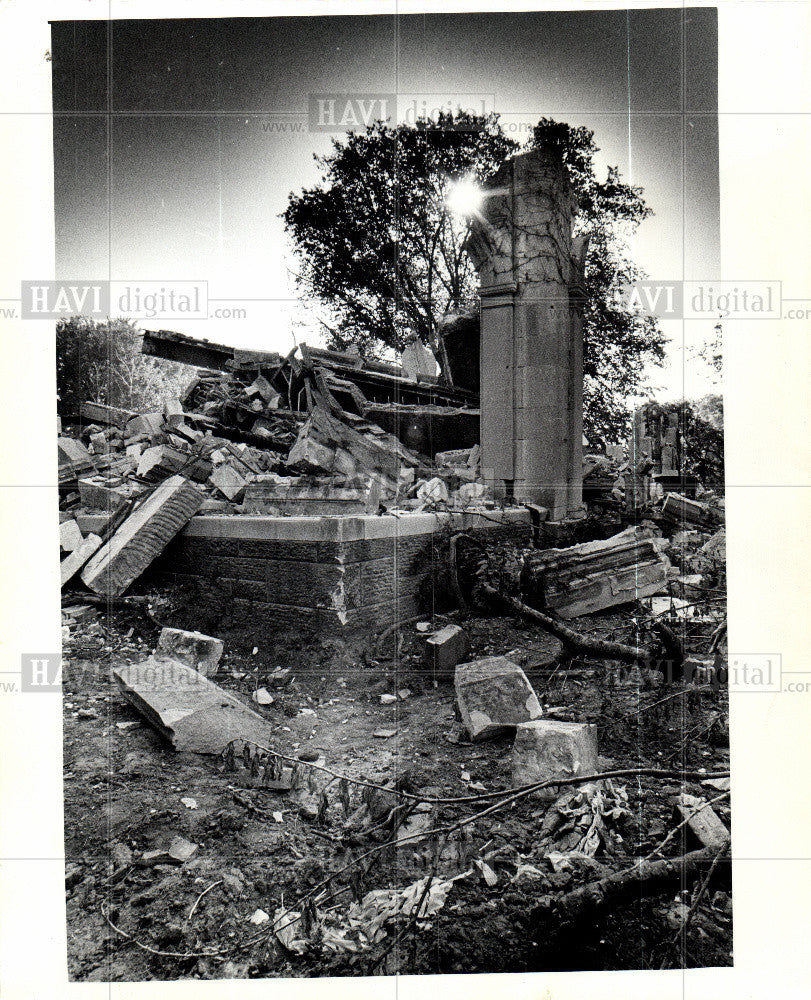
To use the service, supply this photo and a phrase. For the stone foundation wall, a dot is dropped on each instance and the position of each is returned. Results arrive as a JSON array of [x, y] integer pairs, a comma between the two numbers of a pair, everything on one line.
[[323, 574]]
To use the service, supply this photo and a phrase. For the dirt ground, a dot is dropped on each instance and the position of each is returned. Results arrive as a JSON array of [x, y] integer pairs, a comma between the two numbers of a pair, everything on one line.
[[257, 850]]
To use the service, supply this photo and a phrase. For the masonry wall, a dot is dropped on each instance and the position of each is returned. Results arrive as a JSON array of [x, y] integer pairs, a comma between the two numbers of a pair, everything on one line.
[[336, 580]]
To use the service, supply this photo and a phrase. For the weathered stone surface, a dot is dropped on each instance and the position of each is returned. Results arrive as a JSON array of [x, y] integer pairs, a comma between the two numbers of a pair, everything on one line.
[[99, 443], [100, 413], [160, 461], [70, 536], [100, 493], [72, 563], [203, 652], [595, 575], [444, 649], [494, 695], [714, 551], [546, 749], [192, 712], [142, 537], [531, 387], [149, 424], [702, 821], [228, 481], [687, 512], [73, 451]]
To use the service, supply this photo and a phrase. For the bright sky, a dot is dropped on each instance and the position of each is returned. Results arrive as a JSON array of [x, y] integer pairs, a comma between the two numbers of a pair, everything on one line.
[[209, 135]]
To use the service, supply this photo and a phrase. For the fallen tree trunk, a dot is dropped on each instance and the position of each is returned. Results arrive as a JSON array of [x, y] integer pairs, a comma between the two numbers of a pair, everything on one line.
[[645, 879], [574, 642]]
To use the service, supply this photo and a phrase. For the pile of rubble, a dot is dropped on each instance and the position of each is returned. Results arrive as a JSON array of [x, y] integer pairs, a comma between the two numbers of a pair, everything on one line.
[[321, 432], [316, 432]]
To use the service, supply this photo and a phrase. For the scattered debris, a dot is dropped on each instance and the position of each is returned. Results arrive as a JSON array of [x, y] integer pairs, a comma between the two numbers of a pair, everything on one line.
[[323, 432]]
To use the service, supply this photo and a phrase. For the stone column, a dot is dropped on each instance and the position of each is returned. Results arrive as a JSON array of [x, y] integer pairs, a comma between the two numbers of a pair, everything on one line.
[[530, 272]]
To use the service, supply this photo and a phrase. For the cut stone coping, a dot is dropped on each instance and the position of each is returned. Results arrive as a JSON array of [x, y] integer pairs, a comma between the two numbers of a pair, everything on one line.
[[331, 527]]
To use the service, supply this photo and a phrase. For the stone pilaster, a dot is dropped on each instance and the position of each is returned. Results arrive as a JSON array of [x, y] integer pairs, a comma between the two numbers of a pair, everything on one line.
[[530, 271]]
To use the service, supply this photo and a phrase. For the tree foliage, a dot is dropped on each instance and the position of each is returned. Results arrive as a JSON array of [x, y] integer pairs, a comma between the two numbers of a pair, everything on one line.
[[380, 250], [375, 240], [701, 428], [102, 363]]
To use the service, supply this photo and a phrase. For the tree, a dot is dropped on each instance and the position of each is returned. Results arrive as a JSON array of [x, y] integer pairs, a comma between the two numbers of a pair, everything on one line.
[[102, 363], [701, 428], [380, 250], [375, 239], [618, 341], [712, 353]]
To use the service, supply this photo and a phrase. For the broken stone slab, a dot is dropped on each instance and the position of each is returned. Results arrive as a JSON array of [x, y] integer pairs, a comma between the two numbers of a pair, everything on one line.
[[592, 576], [149, 424], [228, 481], [173, 414], [685, 511], [459, 456], [546, 749], [101, 413], [702, 821], [444, 649], [493, 696], [142, 537], [160, 461], [179, 851], [73, 562], [193, 713], [101, 493], [73, 452], [203, 652], [70, 536]]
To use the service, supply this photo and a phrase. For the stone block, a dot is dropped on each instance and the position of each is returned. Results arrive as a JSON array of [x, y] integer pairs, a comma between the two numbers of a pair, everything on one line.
[[228, 481], [546, 749], [196, 650], [70, 536], [444, 649], [73, 562], [173, 413], [581, 579], [99, 443], [493, 696], [149, 424], [702, 821]]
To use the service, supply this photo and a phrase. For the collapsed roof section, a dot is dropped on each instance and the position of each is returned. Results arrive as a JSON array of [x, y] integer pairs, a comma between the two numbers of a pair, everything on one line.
[[377, 381]]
